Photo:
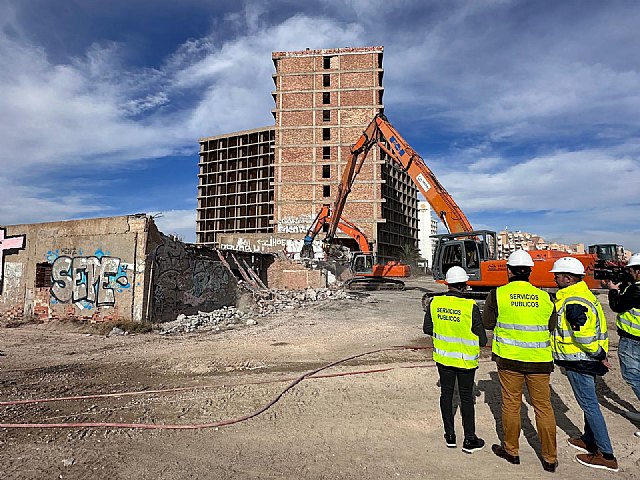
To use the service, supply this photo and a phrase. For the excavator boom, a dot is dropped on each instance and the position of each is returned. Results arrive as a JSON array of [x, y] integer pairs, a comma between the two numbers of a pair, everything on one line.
[[381, 133]]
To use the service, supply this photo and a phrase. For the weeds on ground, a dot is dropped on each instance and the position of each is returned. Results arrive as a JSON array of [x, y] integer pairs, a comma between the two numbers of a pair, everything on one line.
[[28, 320]]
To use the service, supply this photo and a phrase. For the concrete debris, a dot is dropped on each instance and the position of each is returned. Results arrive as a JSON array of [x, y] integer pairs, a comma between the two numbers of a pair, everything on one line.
[[116, 331], [254, 305], [67, 462]]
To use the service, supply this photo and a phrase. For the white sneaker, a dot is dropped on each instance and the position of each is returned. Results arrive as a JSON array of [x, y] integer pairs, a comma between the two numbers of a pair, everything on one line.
[[637, 434]]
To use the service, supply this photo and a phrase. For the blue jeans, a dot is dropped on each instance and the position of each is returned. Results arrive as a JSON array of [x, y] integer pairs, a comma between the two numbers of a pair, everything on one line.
[[629, 355], [595, 430]]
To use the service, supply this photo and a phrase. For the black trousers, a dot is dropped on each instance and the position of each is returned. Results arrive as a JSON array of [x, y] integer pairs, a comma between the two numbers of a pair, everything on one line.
[[465, 378]]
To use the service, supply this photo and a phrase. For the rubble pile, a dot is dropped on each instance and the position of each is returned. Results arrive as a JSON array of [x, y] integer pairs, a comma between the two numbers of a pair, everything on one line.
[[253, 305]]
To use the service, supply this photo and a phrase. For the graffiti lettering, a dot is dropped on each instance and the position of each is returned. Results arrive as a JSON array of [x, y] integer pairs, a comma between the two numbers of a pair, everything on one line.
[[89, 279], [8, 246], [184, 278], [298, 224]]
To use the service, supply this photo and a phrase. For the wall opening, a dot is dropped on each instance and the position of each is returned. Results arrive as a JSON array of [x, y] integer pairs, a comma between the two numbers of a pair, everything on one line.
[[43, 275]]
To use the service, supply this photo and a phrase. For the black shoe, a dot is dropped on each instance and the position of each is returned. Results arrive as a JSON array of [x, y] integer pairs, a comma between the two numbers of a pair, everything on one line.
[[472, 445], [502, 453], [549, 467], [451, 440]]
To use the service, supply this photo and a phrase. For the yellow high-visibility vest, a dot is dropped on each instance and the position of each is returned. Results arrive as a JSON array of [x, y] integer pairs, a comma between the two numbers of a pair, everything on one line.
[[522, 327], [454, 344], [582, 344], [629, 321]]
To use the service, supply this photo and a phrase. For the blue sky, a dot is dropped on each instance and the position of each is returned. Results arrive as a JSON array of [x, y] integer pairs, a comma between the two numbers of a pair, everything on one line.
[[527, 111]]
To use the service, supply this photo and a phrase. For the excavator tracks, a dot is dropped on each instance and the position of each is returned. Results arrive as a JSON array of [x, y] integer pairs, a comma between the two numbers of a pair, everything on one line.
[[373, 283]]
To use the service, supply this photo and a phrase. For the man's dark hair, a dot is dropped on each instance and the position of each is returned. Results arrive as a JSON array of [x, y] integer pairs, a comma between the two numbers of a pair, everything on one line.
[[520, 272], [458, 286]]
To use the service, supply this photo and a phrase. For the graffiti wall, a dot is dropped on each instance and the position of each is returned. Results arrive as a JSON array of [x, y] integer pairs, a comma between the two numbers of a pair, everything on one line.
[[86, 281], [85, 270], [8, 245], [265, 243], [298, 224], [187, 279]]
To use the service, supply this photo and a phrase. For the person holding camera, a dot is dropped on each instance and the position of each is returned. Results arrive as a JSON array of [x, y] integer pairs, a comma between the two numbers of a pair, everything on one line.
[[580, 344], [627, 306]]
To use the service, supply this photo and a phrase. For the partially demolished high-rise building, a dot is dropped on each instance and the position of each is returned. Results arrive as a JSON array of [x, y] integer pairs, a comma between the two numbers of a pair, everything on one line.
[[275, 179]]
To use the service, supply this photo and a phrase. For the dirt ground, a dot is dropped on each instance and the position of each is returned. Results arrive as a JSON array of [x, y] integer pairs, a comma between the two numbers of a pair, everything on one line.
[[376, 425]]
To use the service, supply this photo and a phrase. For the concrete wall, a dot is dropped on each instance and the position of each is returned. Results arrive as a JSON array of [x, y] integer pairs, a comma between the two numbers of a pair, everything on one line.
[[187, 279], [107, 269], [82, 269]]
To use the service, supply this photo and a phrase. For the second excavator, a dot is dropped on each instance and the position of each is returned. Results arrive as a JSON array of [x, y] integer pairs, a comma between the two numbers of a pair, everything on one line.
[[368, 274]]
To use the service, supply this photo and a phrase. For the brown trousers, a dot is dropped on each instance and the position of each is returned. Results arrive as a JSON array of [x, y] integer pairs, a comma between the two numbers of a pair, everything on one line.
[[540, 393]]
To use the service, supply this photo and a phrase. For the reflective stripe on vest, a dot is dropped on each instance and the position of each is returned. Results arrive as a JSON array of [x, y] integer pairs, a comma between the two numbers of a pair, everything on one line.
[[517, 343], [464, 341], [629, 321], [454, 344], [581, 344], [460, 355], [522, 327]]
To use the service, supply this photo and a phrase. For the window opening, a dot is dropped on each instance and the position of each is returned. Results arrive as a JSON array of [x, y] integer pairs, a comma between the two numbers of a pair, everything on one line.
[[43, 275]]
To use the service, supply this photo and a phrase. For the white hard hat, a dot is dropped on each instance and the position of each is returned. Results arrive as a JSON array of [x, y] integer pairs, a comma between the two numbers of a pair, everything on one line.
[[456, 275], [568, 265], [634, 261], [520, 258]]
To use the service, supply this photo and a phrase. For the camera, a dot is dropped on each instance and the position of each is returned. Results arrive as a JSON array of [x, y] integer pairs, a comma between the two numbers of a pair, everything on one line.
[[617, 274]]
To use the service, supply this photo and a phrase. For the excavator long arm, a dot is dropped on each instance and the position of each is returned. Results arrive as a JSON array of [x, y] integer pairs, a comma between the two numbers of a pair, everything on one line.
[[381, 133]]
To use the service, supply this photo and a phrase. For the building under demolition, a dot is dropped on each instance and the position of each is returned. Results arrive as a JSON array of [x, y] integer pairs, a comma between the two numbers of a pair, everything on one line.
[[275, 179], [108, 269]]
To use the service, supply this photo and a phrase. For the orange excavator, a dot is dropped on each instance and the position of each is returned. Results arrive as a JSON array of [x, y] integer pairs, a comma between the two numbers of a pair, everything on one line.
[[368, 273], [473, 250]]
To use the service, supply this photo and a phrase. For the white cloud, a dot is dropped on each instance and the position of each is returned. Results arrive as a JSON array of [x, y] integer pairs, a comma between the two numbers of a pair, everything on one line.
[[178, 222], [562, 181]]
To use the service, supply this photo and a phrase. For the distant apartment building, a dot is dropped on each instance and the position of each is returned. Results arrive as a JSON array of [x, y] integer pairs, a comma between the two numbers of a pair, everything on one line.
[[235, 184], [324, 99], [427, 226], [510, 241]]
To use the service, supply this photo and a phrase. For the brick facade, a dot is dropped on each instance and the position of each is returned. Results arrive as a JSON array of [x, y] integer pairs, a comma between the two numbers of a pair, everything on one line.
[[324, 99]]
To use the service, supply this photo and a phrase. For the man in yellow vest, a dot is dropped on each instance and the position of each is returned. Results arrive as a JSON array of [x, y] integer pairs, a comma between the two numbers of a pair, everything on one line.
[[522, 318], [627, 306], [455, 324], [580, 344]]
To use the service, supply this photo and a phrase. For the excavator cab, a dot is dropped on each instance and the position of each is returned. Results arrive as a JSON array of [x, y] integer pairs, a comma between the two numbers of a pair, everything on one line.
[[362, 263], [608, 252], [466, 250]]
